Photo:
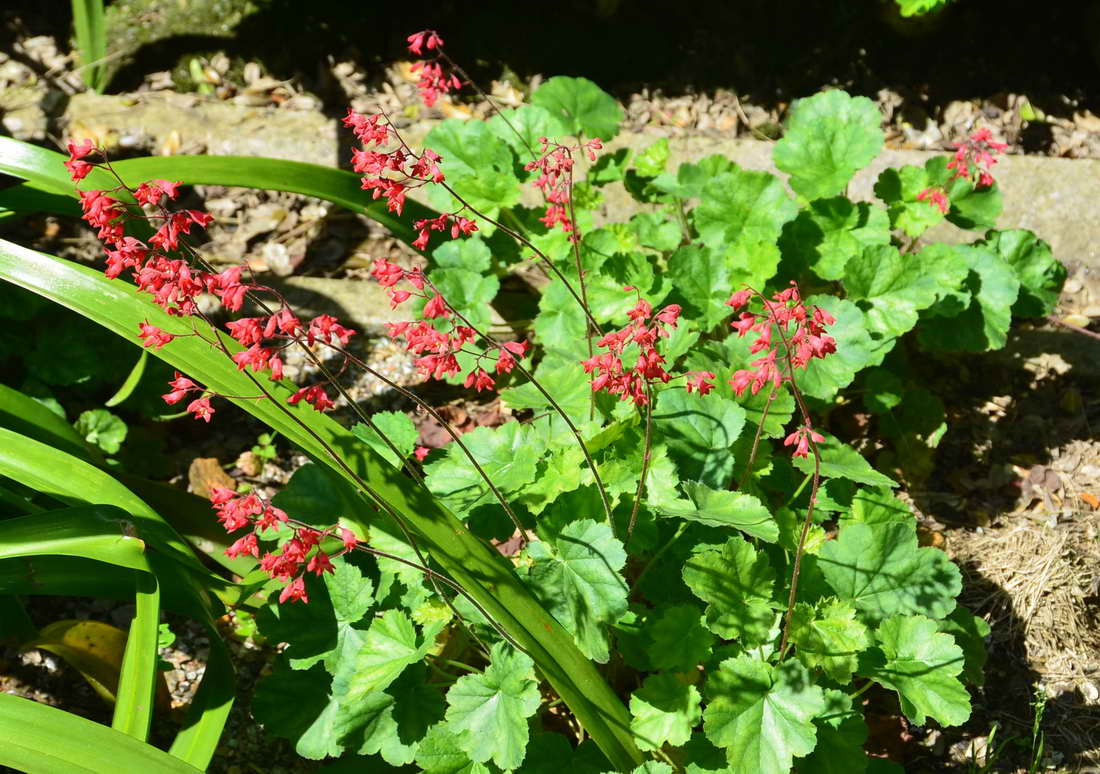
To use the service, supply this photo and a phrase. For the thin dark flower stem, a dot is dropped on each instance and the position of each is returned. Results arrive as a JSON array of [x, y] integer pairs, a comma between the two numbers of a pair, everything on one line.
[[1072, 327], [364, 488], [528, 244], [553, 404], [808, 521], [575, 240], [447, 427], [647, 448], [516, 235], [492, 103], [756, 441]]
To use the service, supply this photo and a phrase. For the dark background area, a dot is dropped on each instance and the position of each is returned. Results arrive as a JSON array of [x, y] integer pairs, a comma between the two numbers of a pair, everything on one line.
[[769, 51]]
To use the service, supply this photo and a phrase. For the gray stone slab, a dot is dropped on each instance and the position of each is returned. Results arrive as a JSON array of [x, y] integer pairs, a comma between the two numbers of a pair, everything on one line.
[[1058, 199], [187, 123]]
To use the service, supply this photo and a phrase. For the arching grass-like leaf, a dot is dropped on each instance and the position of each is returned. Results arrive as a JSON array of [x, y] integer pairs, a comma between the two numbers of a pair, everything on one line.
[[48, 740], [469, 561]]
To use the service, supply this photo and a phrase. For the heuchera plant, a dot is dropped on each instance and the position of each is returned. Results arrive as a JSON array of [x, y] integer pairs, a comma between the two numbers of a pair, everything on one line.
[[668, 486]]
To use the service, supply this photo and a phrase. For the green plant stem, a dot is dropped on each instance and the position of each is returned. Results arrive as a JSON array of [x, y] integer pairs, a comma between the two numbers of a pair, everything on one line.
[[862, 689], [805, 411], [798, 490], [553, 404], [660, 552], [756, 441]]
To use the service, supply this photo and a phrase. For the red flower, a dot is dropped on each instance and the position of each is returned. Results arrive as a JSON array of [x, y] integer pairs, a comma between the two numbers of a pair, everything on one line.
[[152, 336], [801, 437], [314, 395], [697, 380], [935, 197], [320, 563], [181, 385], [420, 453], [245, 545], [436, 307], [426, 39], [294, 591], [387, 274], [150, 192], [479, 380], [79, 169], [201, 409], [348, 537]]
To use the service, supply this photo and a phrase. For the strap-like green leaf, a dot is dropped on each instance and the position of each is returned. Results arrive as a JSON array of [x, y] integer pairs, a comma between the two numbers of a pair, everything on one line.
[[45, 168], [98, 532], [91, 40], [28, 417], [42, 740], [474, 564], [76, 482], [137, 680]]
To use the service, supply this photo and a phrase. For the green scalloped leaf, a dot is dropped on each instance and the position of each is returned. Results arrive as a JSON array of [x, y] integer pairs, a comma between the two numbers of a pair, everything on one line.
[[762, 714], [841, 732], [827, 635], [892, 288], [582, 105], [990, 289], [742, 207], [829, 232], [676, 639], [576, 574], [722, 508], [699, 430], [736, 583], [478, 165], [664, 710], [922, 665], [829, 137], [839, 460], [489, 712], [1041, 275], [880, 569], [856, 349]]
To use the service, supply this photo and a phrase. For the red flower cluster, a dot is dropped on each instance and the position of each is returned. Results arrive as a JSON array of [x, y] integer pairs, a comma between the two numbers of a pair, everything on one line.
[[806, 342], [175, 285], [434, 80], [412, 171], [555, 179], [297, 555], [644, 330], [974, 157], [437, 348], [181, 388], [936, 197]]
